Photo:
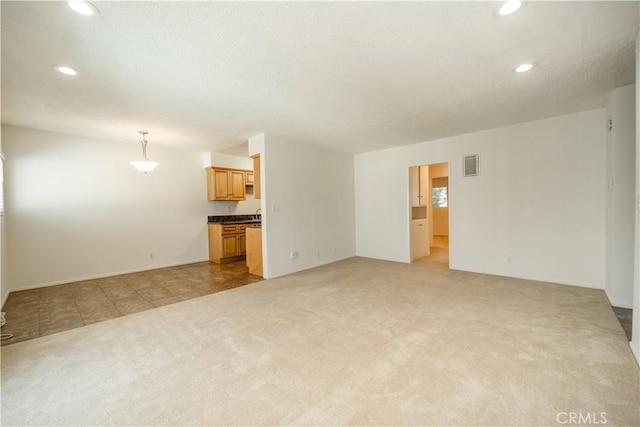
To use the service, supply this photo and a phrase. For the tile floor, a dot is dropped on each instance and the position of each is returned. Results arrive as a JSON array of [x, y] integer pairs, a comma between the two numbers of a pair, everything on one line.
[[43, 311]]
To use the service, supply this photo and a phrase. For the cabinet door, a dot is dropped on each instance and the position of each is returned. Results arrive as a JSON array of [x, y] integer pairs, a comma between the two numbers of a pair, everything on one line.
[[248, 179], [229, 246], [211, 184], [236, 187], [419, 192], [221, 182], [419, 238], [414, 185], [242, 244], [425, 187]]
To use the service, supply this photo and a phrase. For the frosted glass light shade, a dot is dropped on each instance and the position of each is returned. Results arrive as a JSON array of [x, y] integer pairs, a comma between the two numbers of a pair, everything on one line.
[[66, 70], [144, 165], [83, 7], [524, 68], [509, 7]]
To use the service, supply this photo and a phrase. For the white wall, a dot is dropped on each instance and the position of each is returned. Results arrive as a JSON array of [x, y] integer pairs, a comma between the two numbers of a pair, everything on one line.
[[227, 161], [621, 150], [77, 209], [4, 290], [539, 200], [635, 330], [308, 205]]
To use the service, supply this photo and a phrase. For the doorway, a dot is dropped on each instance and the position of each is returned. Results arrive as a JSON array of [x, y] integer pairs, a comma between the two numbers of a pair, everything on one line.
[[429, 196]]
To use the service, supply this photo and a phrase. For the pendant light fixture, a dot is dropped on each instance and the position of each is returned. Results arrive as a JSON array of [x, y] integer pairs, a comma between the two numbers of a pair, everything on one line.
[[144, 165]]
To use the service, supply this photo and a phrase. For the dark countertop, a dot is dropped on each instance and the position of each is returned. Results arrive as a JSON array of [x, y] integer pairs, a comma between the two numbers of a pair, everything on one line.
[[234, 219], [239, 222]]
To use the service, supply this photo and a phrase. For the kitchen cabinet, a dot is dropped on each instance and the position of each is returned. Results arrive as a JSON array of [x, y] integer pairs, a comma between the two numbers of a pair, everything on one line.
[[420, 195], [242, 244], [257, 192], [419, 239], [225, 184], [227, 243], [419, 192], [248, 179]]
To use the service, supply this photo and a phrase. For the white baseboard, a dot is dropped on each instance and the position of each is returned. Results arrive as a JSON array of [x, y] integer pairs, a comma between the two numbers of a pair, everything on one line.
[[99, 276], [332, 261], [622, 305], [617, 303], [635, 353], [320, 264], [5, 299]]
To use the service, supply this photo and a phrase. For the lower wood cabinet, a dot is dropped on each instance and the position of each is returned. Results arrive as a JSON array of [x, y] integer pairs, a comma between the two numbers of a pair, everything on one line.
[[227, 243]]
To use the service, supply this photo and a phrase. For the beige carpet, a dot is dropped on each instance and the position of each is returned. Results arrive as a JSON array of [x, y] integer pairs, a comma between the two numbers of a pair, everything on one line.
[[359, 342]]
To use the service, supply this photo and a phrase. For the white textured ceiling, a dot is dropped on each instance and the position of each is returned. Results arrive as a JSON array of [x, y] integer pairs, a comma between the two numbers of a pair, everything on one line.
[[355, 76]]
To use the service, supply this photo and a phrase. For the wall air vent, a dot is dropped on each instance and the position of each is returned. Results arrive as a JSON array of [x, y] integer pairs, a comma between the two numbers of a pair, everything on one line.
[[471, 165]]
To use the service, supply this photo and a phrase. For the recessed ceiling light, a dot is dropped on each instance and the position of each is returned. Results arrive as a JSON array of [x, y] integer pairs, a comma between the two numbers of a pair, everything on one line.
[[66, 70], [82, 7], [524, 67], [509, 7]]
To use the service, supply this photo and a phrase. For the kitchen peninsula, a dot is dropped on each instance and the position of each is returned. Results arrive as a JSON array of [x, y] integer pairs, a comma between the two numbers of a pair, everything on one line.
[[254, 249]]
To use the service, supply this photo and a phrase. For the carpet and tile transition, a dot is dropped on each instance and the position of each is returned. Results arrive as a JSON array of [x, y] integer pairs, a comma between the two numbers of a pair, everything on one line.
[[359, 342]]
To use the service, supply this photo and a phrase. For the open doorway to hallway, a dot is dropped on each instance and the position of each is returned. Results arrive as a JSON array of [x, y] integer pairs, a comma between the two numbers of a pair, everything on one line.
[[429, 201]]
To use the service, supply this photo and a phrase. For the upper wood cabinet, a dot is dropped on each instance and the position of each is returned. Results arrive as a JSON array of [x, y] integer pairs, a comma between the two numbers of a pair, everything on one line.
[[256, 176], [248, 179], [225, 184]]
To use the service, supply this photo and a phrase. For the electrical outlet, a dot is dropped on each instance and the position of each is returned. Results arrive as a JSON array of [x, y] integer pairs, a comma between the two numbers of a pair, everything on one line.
[[150, 256], [293, 254], [508, 260]]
